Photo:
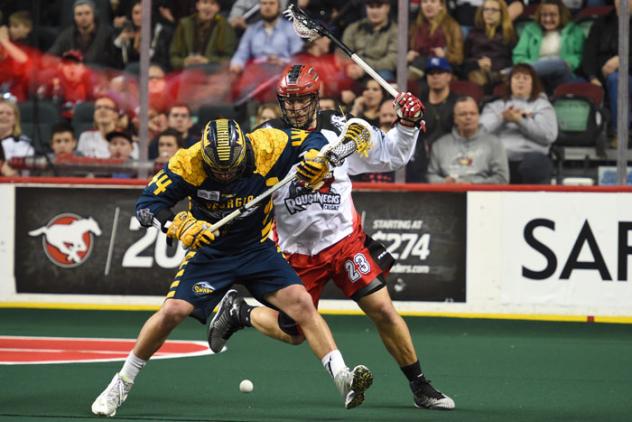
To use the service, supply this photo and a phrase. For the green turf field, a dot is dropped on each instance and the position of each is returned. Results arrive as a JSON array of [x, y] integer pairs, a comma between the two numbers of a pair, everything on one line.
[[494, 370]]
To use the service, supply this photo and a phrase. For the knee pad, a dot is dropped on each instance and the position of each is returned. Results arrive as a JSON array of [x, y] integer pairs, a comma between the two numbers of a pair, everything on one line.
[[288, 325]]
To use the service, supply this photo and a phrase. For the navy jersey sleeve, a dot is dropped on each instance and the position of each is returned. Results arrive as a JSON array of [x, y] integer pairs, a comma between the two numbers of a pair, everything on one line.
[[163, 191]]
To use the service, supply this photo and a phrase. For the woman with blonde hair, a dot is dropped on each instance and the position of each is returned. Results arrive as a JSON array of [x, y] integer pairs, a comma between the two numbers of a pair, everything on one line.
[[14, 143], [489, 45], [434, 34]]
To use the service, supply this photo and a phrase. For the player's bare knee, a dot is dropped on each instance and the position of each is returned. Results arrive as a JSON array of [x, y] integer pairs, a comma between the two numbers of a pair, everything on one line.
[[174, 312], [383, 312]]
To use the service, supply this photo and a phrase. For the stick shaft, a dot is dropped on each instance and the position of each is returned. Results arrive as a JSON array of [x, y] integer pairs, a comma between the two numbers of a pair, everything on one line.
[[368, 69]]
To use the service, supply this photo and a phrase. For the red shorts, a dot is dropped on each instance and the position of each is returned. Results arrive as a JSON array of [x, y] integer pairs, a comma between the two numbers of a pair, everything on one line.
[[349, 263]]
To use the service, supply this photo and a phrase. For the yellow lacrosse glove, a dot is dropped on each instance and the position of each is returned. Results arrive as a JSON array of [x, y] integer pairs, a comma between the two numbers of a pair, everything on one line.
[[193, 233], [312, 170]]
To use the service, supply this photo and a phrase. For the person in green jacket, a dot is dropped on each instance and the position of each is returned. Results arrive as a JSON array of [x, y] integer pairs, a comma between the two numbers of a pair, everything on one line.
[[203, 38], [552, 45]]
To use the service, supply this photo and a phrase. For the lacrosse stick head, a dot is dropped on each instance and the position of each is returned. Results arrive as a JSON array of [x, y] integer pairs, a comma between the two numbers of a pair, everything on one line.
[[304, 26], [356, 136]]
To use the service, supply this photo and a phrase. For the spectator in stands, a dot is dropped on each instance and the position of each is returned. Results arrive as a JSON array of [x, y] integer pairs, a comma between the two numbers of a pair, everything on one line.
[[63, 142], [169, 142], [434, 34], [71, 83], [121, 146], [525, 121], [317, 54], [489, 45], [553, 45], [600, 61], [14, 143], [178, 118], [367, 105], [93, 143], [162, 28], [128, 38], [21, 28], [202, 38], [387, 116], [438, 115], [468, 154], [375, 40], [160, 95], [464, 11], [245, 11], [265, 48], [267, 111], [93, 38], [15, 67], [326, 103]]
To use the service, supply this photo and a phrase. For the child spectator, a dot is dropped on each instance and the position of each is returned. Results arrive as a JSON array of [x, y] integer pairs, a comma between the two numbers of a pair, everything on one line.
[[121, 146], [21, 28], [267, 112], [71, 83], [63, 142], [169, 142]]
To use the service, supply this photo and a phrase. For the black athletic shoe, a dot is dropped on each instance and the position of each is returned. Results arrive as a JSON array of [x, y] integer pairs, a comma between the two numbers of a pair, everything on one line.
[[226, 321], [426, 396]]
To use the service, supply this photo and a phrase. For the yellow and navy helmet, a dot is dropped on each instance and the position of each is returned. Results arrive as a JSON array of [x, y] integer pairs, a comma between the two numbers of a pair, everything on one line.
[[224, 150]]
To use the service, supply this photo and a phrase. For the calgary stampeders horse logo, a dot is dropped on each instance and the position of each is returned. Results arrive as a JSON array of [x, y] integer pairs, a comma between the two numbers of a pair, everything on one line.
[[68, 239]]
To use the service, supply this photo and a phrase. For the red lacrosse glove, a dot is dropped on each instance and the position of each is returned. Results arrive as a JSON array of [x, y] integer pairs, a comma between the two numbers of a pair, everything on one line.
[[409, 110]]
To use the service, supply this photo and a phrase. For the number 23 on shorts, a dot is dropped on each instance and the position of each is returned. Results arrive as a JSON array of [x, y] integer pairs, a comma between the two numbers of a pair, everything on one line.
[[356, 267]]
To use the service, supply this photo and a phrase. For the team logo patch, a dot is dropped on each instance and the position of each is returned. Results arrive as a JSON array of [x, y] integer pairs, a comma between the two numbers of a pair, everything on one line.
[[22, 350], [203, 288], [208, 195], [300, 198], [68, 239]]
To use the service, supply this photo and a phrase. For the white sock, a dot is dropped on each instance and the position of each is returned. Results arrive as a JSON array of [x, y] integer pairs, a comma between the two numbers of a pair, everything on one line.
[[333, 362], [132, 366]]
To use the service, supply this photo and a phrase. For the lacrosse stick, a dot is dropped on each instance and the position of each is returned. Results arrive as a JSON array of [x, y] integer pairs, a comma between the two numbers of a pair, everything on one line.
[[306, 27], [359, 138]]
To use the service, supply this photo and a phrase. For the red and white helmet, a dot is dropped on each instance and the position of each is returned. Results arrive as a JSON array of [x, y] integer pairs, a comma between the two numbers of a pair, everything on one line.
[[297, 93]]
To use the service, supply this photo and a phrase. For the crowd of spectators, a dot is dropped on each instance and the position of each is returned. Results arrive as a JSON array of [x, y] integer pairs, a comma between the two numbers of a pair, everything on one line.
[[82, 58]]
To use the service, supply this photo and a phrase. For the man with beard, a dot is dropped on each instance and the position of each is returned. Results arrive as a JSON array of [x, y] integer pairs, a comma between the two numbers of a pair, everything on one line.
[[265, 48], [202, 38], [321, 235], [93, 39]]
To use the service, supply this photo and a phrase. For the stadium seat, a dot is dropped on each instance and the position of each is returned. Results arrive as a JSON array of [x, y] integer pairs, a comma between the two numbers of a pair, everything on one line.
[[583, 89], [40, 134], [82, 119], [39, 111], [593, 12], [580, 115], [467, 88], [37, 119]]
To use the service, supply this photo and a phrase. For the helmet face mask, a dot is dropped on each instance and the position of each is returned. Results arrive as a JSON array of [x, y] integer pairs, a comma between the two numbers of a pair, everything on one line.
[[297, 93], [224, 150], [299, 111]]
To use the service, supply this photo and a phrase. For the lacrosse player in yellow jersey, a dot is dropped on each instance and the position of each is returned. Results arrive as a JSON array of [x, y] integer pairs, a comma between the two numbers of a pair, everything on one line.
[[219, 174]]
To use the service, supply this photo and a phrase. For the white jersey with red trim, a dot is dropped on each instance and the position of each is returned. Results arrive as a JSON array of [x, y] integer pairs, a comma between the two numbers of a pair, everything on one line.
[[309, 221]]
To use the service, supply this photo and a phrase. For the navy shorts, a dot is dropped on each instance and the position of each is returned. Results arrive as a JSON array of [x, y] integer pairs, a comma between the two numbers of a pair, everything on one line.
[[204, 276]]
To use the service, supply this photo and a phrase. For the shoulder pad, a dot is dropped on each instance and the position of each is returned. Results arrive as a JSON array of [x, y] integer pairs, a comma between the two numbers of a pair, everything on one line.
[[187, 163], [267, 145]]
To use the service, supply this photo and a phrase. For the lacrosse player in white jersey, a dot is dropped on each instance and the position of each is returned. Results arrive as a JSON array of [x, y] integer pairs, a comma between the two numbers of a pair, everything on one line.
[[320, 233]]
